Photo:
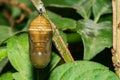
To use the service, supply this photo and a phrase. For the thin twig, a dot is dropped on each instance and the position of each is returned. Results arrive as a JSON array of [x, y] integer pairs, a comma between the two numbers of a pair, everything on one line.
[[22, 16], [22, 6], [10, 19]]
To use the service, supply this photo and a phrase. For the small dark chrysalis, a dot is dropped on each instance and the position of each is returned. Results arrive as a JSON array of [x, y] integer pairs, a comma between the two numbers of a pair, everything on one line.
[[40, 41]]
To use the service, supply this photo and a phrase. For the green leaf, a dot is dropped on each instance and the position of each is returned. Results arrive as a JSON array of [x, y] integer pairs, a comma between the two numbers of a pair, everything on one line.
[[96, 37], [60, 3], [15, 12], [3, 58], [83, 7], [54, 61], [20, 76], [101, 7], [61, 22], [3, 63], [18, 54], [3, 53], [3, 20], [71, 39], [82, 70], [5, 32], [6, 76]]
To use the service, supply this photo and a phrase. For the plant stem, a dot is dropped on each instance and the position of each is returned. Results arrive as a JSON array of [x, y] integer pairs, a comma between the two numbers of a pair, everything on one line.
[[61, 46], [114, 23], [118, 29], [22, 6], [116, 35], [38, 77]]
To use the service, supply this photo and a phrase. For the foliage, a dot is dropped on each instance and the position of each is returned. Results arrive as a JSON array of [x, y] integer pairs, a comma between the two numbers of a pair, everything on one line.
[[91, 26], [94, 71]]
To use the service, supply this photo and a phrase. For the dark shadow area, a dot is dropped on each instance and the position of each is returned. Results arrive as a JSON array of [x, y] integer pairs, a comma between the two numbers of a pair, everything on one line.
[[65, 12], [76, 50], [7, 68], [41, 74], [105, 58]]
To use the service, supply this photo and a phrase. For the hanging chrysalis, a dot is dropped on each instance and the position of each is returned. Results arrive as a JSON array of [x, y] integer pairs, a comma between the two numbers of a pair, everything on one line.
[[40, 40]]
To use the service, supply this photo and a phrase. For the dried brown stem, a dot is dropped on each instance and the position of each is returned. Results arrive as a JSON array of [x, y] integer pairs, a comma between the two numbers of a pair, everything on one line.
[[22, 6], [11, 20], [8, 17], [114, 24], [118, 22], [116, 35], [22, 16]]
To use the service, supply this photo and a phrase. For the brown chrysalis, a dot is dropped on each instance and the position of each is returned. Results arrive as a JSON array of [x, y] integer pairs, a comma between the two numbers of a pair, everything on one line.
[[40, 41]]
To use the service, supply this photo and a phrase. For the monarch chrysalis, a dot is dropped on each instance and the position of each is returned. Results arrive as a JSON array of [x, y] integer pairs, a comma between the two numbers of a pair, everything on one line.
[[40, 39]]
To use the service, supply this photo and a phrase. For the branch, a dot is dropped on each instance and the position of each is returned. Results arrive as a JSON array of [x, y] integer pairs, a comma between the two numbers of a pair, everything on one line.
[[22, 6], [116, 35], [114, 23]]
